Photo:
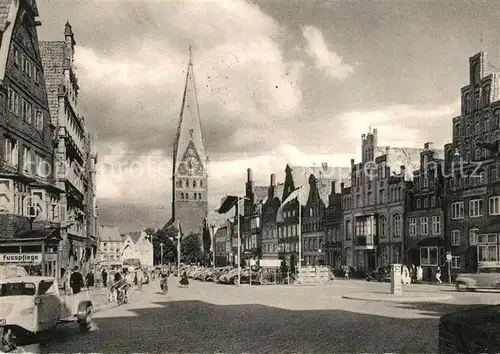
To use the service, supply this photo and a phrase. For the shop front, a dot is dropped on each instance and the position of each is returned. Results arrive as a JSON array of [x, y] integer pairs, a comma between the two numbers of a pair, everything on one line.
[[36, 251]]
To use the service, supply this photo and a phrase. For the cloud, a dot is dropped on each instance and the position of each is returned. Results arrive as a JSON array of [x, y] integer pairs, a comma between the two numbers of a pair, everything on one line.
[[325, 60]]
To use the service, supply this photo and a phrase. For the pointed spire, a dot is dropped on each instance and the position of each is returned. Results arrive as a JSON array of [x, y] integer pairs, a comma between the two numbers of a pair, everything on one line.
[[190, 63]]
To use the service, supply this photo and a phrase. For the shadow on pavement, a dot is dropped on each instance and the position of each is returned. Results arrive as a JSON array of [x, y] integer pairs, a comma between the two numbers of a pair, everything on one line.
[[435, 309], [196, 326]]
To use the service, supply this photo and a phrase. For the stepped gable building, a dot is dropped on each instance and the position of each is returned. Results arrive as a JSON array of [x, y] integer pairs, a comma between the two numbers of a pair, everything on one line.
[[252, 219], [138, 245], [472, 168], [189, 179], [29, 200], [375, 203], [270, 208], [424, 221], [75, 156], [110, 246], [316, 185], [333, 221]]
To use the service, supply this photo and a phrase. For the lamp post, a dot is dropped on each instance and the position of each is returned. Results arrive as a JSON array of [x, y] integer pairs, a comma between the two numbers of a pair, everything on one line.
[[212, 228], [161, 253]]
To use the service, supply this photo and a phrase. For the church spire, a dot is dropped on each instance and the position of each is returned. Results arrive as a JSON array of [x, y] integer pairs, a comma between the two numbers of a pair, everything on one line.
[[189, 126]]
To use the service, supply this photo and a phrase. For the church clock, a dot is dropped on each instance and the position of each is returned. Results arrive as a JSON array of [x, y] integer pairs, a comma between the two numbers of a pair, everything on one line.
[[191, 164]]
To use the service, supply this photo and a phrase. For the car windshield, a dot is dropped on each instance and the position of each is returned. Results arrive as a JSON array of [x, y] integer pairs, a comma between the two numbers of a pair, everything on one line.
[[17, 289]]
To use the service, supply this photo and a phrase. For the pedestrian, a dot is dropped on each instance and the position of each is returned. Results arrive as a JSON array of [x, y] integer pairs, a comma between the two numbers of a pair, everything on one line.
[[65, 280], [420, 274], [90, 279], [438, 275], [139, 274], [184, 280], [104, 276], [346, 272], [76, 281]]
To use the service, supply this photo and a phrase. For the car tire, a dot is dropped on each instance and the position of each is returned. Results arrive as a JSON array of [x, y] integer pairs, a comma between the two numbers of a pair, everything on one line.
[[86, 324], [461, 286], [265, 281], [235, 281]]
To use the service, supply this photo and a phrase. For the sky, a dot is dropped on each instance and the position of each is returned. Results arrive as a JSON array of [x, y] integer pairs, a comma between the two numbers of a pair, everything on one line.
[[278, 82]]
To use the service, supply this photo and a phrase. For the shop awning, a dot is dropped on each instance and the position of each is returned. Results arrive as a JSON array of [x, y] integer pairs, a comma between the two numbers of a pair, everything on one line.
[[40, 234], [431, 241]]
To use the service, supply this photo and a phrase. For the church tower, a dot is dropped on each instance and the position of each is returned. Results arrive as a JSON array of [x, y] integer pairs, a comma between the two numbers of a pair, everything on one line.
[[189, 180]]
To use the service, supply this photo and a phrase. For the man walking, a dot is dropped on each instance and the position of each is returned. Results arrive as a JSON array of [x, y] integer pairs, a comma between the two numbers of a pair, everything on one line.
[[76, 281], [139, 274], [104, 276]]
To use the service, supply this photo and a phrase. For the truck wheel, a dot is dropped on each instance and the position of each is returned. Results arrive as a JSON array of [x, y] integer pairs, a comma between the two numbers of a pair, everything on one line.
[[87, 321]]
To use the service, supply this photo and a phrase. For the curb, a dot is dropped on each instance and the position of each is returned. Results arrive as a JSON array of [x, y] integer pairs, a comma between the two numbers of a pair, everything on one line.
[[405, 298]]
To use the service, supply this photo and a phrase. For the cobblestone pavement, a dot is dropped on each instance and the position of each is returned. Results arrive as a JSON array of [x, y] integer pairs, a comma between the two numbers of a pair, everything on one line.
[[207, 317]]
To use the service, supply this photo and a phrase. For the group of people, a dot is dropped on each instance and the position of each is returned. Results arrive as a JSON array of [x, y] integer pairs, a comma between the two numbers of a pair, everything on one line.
[[116, 278], [72, 280]]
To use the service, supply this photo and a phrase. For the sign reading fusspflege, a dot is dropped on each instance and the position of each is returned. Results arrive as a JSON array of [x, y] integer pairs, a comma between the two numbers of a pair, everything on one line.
[[20, 258]]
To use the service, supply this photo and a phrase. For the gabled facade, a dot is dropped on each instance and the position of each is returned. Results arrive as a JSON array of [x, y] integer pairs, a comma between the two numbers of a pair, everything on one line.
[[110, 246], [472, 170], [74, 162], [333, 220], [252, 214], [189, 180], [27, 190], [424, 221], [223, 247], [374, 223], [137, 245], [270, 208]]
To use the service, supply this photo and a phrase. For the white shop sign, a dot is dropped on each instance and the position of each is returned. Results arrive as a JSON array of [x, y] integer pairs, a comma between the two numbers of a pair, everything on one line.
[[34, 258], [271, 263]]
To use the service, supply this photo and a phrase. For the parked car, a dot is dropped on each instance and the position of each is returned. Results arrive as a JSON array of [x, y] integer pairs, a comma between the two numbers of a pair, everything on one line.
[[32, 304], [487, 277], [228, 277], [380, 274]]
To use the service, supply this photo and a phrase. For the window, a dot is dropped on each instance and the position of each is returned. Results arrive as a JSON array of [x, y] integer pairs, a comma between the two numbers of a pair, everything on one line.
[[436, 225], [17, 58], [13, 101], [426, 202], [472, 237], [396, 225], [425, 182], [413, 226], [27, 67], [199, 195], [433, 202], [27, 160], [39, 119], [11, 152], [26, 112], [475, 208], [457, 210], [424, 225], [494, 205], [348, 230], [39, 164], [455, 262], [455, 237], [36, 75], [429, 256]]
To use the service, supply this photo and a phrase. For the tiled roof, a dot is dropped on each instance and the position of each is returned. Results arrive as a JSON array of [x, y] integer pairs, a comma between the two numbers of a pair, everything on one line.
[[260, 193], [52, 53], [135, 236], [325, 175], [109, 234], [4, 13]]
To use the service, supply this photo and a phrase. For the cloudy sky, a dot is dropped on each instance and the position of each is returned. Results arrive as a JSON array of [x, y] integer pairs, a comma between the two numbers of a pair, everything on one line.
[[278, 81]]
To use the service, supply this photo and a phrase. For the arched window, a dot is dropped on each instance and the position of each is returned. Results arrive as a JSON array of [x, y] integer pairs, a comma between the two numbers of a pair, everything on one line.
[[477, 154], [187, 196], [194, 195], [201, 184], [348, 230], [182, 195], [199, 195], [383, 226], [194, 183], [396, 225]]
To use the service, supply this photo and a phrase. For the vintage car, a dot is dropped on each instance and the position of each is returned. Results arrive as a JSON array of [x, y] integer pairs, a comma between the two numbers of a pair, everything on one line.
[[32, 305], [487, 277]]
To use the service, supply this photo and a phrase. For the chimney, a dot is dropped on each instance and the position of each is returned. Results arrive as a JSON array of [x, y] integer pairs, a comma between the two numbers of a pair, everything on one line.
[[273, 179], [403, 169], [342, 185], [428, 146], [249, 175], [363, 137], [352, 163], [333, 188]]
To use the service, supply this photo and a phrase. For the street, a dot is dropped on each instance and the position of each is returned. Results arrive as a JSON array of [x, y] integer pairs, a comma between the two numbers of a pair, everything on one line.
[[207, 317]]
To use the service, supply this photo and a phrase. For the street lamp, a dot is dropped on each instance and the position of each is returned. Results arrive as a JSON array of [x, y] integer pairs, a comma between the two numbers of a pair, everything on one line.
[[161, 253], [212, 228]]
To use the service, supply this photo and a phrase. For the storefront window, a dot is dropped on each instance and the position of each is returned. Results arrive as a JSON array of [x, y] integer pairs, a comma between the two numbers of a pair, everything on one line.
[[487, 253], [433, 256], [429, 256]]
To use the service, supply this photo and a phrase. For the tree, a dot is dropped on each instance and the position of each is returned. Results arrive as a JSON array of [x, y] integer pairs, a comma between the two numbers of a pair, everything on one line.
[[191, 248], [165, 236]]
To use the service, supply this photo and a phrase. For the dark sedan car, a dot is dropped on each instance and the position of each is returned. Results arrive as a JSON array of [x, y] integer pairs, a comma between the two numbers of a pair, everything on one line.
[[380, 274]]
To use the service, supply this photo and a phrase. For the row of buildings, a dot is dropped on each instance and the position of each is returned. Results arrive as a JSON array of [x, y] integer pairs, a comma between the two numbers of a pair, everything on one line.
[[115, 248], [48, 216], [397, 205]]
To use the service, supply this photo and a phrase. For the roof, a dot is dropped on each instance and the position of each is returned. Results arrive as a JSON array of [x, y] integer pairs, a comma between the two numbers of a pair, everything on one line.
[[189, 132], [260, 193], [40, 233], [52, 53], [109, 234], [135, 236], [325, 175]]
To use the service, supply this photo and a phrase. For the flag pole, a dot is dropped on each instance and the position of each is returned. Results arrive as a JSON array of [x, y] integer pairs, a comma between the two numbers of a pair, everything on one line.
[[239, 240], [179, 251], [300, 231]]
